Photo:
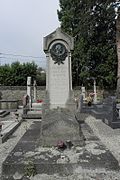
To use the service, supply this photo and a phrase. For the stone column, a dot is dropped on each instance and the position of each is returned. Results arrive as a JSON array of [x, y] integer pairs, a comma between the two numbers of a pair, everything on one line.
[[70, 69], [35, 91], [47, 71], [29, 90]]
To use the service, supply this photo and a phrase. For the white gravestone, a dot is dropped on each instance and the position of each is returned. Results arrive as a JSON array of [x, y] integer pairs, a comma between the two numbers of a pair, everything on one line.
[[57, 47], [29, 90]]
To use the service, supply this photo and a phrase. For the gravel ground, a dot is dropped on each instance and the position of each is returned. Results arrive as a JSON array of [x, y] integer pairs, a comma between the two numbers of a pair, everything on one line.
[[109, 137]]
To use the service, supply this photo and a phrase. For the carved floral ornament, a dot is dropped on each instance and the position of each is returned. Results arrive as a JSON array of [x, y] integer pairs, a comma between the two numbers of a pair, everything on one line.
[[58, 53]]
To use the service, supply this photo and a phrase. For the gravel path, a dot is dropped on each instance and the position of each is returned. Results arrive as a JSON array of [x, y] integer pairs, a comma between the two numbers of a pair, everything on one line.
[[109, 137]]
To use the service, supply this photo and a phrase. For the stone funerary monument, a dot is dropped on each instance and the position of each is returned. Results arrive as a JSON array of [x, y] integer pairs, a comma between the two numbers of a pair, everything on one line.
[[57, 47]]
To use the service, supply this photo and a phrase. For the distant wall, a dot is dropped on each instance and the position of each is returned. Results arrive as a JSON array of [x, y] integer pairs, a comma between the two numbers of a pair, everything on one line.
[[17, 92]]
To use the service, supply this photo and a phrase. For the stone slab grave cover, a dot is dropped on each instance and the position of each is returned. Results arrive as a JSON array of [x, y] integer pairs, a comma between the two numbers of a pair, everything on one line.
[[61, 125], [57, 47]]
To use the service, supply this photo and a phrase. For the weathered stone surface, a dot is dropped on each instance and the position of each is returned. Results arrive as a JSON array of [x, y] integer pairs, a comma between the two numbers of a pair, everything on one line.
[[58, 34], [46, 160], [60, 124], [58, 46]]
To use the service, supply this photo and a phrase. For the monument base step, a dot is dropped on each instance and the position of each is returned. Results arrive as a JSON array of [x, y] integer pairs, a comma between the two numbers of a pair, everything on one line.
[[96, 114], [116, 124]]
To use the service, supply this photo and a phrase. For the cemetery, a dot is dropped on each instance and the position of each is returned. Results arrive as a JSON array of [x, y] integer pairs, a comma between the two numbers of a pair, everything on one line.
[[60, 90], [61, 139]]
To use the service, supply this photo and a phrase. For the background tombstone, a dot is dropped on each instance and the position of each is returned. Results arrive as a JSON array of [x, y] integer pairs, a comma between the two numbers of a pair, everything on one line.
[[58, 46], [25, 104], [29, 91]]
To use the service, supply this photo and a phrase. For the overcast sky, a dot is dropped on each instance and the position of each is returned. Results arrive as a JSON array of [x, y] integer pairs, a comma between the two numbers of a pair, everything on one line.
[[23, 24]]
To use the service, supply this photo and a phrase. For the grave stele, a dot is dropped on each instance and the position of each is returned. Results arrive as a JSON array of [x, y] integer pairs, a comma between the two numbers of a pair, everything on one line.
[[29, 90], [57, 47]]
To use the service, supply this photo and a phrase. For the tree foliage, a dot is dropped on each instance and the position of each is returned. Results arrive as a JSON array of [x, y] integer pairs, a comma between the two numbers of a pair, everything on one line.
[[16, 74], [41, 77], [92, 24]]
